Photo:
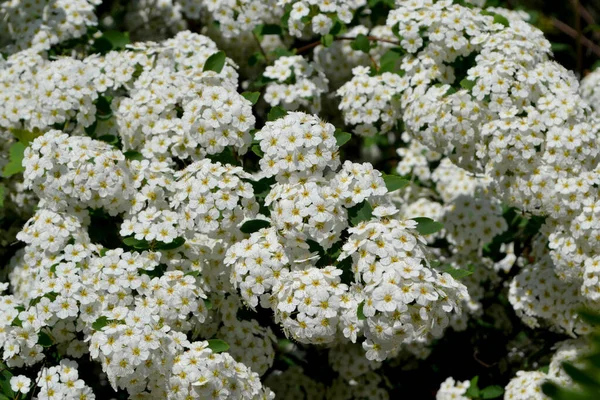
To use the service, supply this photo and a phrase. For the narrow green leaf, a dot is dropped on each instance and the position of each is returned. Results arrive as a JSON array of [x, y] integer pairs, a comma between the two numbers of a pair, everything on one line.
[[217, 345], [100, 323], [467, 84], [457, 273], [360, 212], [342, 137], [26, 136], [252, 97], [110, 139], [390, 60], [361, 43], [44, 339], [491, 392], [394, 182], [177, 242], [255, 58], [5, 387], [427, 226], [500, 19], [359, 312], [254, 225], [590, 317], [133, 155], [267, 29], [15, 160], [337, 28], [256, 150], [473, 390], [580, 376], [136, 244], [216, 62], [2, 194], [327, 40], [276, 113], [117, 39]]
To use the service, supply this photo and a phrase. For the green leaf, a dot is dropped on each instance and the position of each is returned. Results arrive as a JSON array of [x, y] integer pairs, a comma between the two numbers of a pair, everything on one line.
[[2, 194], [457, 273], [473, 390], [255, 58], [327, 40], [342, 137], [394, 182], [275, 113], [360, 212], [252, 97], [389, 61], [254, 225], [359, 311], [361, 43], [5, 388], [15, 160], [491, 392], [337, 28], [117, 39], [217, 345], [590, 317], [283, 52], [110, 139], [44, 339], [133, 155], [100, 323], [26, 136], [179, 241], [136, 244], [267, 29], [556, 47], [467, 84], [580, 376], [427, 226], [500, 19], [256, 150], [111, 40], [216, 62]]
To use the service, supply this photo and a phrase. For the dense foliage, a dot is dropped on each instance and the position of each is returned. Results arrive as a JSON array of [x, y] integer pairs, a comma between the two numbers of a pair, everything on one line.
[[298, 199]]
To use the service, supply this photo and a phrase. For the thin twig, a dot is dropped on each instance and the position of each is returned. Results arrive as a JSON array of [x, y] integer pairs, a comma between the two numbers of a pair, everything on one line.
[[262, 50], [585, 14], [573, 34], [579, 36]]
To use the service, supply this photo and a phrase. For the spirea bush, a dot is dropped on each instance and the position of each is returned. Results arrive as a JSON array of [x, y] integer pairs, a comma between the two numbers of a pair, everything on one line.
[[295, 199]]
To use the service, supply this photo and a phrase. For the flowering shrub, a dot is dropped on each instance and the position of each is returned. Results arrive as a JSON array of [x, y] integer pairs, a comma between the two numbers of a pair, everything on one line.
[[294, 199]]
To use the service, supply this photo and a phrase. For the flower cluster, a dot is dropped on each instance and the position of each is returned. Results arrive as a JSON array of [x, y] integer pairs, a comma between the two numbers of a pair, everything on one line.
[[77, 171], [297, 145], [404, 299], [38, 25], [317, 16], [453, 390], [296, 84], [38, 94], [371, 102], [159, 253], [215, 116]]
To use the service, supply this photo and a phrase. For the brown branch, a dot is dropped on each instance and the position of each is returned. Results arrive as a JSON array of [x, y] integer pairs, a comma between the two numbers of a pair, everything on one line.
[[566, 29], [585, 14], [262, 50], [579, 36]]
